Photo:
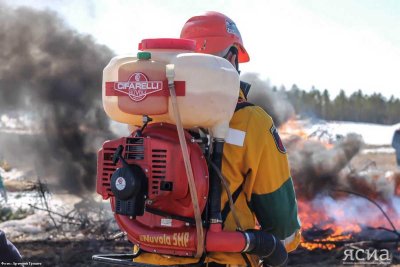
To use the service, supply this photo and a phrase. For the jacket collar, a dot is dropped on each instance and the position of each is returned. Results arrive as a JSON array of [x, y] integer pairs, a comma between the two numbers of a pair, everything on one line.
[[245, 88]]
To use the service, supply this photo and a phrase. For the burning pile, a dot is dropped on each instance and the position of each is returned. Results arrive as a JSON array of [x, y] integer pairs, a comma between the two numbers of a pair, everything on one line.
[[339, 204]]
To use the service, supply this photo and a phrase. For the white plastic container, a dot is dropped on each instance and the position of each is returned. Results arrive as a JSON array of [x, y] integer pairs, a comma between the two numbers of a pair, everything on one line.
[[136, 86]]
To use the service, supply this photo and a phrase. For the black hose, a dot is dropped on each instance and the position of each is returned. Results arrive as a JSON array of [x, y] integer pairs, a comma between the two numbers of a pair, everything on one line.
[[267, 247], [215, 183]]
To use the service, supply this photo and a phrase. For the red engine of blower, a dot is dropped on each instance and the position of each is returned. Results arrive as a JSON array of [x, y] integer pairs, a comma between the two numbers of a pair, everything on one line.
[[148, 188], [144, 177]]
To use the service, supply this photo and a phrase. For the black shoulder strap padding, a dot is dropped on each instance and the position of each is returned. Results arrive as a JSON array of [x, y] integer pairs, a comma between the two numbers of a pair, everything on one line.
[[227, 208], [241, 105]]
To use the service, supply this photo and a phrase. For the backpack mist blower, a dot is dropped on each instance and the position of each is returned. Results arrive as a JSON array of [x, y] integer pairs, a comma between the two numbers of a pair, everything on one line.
[[164, 180]]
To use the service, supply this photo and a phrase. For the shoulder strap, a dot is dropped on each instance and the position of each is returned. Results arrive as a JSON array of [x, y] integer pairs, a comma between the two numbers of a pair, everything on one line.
[[227, 208], [235, 195], [225, 211]]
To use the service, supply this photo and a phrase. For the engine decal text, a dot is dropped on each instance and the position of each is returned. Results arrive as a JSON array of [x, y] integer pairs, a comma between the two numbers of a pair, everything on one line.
[[176, 239]]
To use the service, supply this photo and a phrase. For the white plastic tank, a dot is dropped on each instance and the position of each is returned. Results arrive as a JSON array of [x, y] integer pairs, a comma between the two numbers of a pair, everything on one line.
[[207, 86]]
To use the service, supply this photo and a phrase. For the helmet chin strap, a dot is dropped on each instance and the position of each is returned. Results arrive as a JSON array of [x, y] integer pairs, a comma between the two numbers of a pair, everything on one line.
[[233, 51], [245, 87]]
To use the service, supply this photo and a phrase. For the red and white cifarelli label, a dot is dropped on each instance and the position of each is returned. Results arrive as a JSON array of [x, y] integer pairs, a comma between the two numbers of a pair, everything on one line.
[[137, 87]]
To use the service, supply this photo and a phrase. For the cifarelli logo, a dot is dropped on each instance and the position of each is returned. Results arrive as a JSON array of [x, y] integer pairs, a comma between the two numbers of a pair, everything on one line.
[[138, 86]]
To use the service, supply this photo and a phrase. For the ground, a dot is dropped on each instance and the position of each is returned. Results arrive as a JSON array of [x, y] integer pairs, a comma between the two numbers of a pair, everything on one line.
[[69, 252]]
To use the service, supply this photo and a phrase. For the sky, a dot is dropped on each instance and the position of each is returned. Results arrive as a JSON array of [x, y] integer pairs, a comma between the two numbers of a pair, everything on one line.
[[328, 44]]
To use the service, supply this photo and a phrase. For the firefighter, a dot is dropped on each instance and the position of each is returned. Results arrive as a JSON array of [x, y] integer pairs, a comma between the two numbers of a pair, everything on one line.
[[255, 161], [396, 145]]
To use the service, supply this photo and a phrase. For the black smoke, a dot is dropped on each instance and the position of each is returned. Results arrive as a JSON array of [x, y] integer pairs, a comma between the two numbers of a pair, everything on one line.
[[54, 73], [315, 168]]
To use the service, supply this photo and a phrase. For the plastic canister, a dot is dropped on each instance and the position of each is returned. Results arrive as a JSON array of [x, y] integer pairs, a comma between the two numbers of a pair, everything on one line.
[[207, 86]]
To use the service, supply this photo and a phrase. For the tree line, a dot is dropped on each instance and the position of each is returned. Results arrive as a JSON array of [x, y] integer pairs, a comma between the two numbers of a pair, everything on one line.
[[357, 106]]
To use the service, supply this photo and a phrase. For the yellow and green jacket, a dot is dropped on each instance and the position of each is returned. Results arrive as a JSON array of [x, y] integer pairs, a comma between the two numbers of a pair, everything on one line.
[[255, 164], [255, 161]]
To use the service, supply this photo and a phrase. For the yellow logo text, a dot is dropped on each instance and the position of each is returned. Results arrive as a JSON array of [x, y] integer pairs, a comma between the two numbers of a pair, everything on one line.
[[177, 239]]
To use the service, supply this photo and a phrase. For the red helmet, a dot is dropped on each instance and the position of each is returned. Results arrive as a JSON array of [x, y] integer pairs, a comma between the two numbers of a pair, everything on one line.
[[214, 32]]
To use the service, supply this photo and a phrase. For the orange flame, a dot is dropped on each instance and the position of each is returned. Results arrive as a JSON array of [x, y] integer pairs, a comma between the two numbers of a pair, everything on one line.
[[311, 218], [294, 128], [329, 233]]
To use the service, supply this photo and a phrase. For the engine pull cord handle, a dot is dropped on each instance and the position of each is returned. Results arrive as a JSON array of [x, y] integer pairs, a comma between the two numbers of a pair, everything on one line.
[[118, 156], [170, 73]]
